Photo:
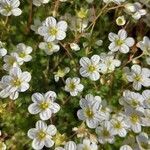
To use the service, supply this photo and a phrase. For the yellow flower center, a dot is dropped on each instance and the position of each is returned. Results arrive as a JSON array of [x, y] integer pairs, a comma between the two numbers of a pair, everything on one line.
[[44, 105], [138, 78], [89, 113], [117, 125], [119, 42], [72, 86], [41, 135], [53, 31], [50, 46], [91, 68], [16, 82], [11, 61], [8, 8], [22, 54], [105, 133], [134, 103], [134, 118]]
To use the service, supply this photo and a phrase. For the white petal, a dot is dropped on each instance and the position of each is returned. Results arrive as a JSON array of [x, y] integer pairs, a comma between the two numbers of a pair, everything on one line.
[[94, 76], [124, 49], [84, 61], [137, 85], [55, 108], [50, 95], [37, 97], [16, 12], [24, 87], [32, 133], [26, 76], [125, 147], [37, 144], [136, 69], [48, 142], [129, 41], [46, 114], [122, 34], [81, 115], [50, 21], [62, 25], [41, 125], [60, 35], [51, 130], [83, 72], [70, 145], [33, 108], [112, 36], [92, 123]]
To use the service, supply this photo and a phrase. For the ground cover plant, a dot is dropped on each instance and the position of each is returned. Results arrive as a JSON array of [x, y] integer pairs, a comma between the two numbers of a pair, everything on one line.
[[74, 74]]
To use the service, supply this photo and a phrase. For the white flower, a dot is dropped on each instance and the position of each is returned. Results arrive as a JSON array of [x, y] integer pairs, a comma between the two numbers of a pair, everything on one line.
[[49, 47], [74, 47], [51, 30], [125, 147], [40, 2], [108, 63], [144, 45], [68, 146], [119, 126], [104, 133], [132, 99], [136, 10], [23, 52], [42, 135], [90, 67], [44, 105], [90, 110], [143, 141], [120, 21], [61, 73], [87, 145], [133, 119], [120, 42], [139, 12], [146, 96], [10, 7], [11, 61], [15, 82], [3, 51], [139, 76], [73, 86], [36, 25]]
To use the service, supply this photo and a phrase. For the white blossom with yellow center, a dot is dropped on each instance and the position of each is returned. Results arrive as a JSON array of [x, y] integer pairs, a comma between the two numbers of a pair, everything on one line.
[[51, 30], [120, 42], [10, 7], [44, 105], [42, 135], [139, 76], [73, 86], [90, 67], [90, 110], [15, 82]]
